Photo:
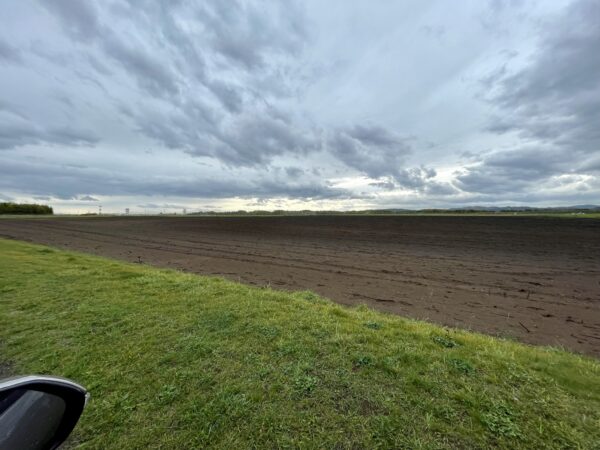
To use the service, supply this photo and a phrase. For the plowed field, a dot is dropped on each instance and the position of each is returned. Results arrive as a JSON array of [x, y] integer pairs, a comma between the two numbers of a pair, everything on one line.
[[533, 279]]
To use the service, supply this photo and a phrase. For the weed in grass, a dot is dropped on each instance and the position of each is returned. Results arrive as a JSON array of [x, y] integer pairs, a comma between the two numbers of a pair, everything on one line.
[[304, 383], [124, 403], [373, 325], [462, 366], [309, 296], [342, 376], [500, 420], [167, 394], [363, 361], [445, 341]]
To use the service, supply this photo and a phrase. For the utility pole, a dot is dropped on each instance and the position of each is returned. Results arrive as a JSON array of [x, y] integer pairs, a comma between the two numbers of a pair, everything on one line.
[[99, 210]]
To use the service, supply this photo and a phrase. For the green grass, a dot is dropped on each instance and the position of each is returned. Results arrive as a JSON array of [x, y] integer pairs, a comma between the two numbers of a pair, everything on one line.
[[180, 361]]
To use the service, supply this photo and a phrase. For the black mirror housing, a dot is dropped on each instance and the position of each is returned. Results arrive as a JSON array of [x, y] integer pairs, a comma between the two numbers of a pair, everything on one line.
[[39, 412]]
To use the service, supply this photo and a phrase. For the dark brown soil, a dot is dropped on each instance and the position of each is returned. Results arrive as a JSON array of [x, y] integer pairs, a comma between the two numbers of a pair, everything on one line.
[[534, 279]]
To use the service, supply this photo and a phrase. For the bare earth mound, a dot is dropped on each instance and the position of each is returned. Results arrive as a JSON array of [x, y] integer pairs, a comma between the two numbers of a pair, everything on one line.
[[536, 279]]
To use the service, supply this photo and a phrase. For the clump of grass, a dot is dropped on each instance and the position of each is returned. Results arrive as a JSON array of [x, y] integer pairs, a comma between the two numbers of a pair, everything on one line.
[[175, 360]]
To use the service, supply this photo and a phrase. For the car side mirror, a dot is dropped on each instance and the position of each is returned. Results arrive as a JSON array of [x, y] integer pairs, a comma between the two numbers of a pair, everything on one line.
[[38, 412]]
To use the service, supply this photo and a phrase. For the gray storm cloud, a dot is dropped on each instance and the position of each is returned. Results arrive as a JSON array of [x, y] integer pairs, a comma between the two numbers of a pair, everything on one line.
[[300, 100], [552, 105]]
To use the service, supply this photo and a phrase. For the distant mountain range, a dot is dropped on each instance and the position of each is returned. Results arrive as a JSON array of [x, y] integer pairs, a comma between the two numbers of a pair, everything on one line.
[[464, 209], [527, 208]]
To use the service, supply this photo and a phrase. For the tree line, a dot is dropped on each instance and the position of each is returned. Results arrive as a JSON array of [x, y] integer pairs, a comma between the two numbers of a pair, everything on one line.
[[24, 208]]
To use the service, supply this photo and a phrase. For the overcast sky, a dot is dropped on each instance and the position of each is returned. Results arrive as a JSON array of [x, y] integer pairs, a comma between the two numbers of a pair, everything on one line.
[[159, 105]]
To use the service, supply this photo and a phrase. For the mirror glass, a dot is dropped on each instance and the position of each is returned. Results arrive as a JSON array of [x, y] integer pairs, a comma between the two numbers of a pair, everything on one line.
[[29, 418]]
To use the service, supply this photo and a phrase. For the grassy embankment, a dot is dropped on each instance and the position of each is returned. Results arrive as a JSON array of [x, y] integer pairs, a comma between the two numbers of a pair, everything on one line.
[[180, 361]]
